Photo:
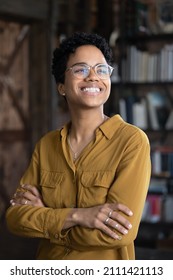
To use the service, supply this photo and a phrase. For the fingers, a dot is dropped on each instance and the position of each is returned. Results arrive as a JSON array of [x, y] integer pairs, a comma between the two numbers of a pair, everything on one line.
[[107, 230], [114, 228], [113, 222], [27, 195], [19, 201], [95, 218], [32, 189], [21, 198], [120, 222], [123, 208]]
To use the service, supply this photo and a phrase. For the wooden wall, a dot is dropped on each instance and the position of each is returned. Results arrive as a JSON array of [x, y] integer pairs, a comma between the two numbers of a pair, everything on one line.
[[35, 9], [36, 85]]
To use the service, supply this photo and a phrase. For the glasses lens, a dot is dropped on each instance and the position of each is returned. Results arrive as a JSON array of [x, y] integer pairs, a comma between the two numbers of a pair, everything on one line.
[[80, 71], [103, 71]]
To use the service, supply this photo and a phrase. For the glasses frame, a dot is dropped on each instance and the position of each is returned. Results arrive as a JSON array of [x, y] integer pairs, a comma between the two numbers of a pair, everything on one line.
[[91, 67]]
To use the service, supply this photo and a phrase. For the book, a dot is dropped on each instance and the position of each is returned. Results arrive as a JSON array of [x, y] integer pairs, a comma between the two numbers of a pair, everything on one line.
[[169, 122], [162, 161], [130, 101], [158, 186], [122, 109], [139, 112], [167, 206], [154, 211], [156, 162], [158, 109]]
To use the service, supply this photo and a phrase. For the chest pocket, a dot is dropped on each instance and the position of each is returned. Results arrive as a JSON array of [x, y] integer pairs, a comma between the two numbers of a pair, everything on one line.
[[51, 183], [95, 187]]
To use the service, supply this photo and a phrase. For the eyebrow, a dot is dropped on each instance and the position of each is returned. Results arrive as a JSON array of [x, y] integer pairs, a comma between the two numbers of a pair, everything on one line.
[[80, 63], [84, 63]]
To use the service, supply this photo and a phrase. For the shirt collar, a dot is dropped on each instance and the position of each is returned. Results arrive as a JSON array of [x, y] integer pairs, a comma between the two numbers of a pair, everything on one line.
[[64, 130], [108, 128]]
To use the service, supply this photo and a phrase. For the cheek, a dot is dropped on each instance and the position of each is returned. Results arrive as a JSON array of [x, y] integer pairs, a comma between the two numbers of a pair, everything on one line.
[[69, 85], [108, 87]]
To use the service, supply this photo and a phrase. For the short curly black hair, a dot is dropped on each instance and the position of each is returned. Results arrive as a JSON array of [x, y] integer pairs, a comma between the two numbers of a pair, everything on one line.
[[69, 45]]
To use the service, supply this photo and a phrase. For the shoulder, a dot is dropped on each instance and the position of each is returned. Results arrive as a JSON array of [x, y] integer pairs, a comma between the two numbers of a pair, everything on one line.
[[50, 136], [48, 140], [129, 132]]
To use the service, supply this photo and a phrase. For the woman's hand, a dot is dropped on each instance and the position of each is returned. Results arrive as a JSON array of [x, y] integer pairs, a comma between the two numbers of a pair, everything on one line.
[[27, 195], [107, 218]]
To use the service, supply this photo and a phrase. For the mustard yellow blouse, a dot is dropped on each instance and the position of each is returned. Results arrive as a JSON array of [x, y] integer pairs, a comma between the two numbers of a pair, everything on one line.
[[113, 167]]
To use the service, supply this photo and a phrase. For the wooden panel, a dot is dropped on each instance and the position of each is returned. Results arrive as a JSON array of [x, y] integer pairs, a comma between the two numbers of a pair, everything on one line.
[[14, 135], [40, 74], [31, 9]]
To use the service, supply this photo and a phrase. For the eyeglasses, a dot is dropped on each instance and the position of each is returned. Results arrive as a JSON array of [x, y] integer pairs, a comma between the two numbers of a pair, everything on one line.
[[82, 71]]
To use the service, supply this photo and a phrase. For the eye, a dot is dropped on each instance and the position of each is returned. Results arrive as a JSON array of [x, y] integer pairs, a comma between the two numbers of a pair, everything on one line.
[[80, 69], [102, 70]]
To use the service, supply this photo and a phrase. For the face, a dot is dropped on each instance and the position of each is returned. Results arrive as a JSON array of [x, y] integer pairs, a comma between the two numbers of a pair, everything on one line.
[[88, 92]]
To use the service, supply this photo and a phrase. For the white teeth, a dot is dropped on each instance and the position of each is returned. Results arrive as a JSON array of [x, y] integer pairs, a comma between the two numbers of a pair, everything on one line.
[[91, 89]]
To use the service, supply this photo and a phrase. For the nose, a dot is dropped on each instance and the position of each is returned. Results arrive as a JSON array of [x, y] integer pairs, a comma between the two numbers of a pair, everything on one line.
[[92, 75]]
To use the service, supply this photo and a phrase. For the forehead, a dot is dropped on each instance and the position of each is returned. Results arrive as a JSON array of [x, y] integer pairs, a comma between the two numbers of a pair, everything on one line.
[[87, 54]]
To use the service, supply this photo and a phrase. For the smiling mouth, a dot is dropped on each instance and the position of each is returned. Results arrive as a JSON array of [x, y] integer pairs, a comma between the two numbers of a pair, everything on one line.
[[91, 89]]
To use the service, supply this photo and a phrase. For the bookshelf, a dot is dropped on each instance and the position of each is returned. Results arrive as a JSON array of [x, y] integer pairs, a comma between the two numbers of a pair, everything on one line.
[[142, 93]]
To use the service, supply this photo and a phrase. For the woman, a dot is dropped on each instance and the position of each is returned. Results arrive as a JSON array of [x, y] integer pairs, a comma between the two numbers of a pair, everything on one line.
[[84, 190]]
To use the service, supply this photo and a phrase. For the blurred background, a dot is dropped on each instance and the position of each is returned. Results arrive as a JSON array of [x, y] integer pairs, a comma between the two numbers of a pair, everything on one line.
[[140, 33]]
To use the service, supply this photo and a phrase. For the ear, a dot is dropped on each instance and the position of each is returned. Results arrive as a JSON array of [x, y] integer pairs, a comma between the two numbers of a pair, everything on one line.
[[61, 90]]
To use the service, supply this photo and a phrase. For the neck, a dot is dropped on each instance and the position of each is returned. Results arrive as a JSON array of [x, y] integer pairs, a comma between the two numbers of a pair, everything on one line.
[[84, 125], [82, 131]]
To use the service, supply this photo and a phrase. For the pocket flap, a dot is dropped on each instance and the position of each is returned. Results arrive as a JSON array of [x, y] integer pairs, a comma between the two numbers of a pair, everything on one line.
[[98, 178], [51, 179]]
